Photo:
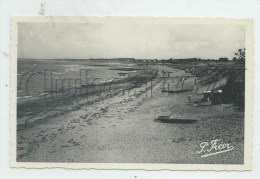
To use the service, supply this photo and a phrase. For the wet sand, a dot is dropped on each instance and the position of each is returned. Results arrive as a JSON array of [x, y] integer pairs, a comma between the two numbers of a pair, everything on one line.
[[122, 129]]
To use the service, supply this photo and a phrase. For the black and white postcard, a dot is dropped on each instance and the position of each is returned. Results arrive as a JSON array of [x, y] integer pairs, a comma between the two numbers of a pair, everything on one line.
[[147, 93]]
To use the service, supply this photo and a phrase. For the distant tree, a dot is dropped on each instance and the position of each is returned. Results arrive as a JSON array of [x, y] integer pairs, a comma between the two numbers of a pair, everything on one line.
[[240, 55], [223, 59], [234, 59]]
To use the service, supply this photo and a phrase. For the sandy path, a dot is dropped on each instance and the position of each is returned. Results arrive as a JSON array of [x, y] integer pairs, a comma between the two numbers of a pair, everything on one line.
[[122, 129]]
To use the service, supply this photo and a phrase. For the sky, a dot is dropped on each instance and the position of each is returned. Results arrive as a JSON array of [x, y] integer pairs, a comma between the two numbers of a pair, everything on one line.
[[128, 40]]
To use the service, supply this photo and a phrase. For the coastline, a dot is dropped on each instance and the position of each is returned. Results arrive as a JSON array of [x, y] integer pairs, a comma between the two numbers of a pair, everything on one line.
[[122, 129]]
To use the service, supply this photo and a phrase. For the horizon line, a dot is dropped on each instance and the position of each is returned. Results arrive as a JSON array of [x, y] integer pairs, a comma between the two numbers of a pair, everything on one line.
[[126, 58]]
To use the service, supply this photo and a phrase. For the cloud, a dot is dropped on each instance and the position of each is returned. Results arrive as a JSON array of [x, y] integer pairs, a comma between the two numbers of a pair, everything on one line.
[[111, 40]]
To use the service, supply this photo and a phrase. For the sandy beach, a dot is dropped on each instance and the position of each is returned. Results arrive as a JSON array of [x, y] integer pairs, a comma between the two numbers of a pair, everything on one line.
[[121, 128]]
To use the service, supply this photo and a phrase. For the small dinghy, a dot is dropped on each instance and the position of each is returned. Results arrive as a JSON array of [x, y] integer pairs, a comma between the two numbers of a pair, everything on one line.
[[171, 119]]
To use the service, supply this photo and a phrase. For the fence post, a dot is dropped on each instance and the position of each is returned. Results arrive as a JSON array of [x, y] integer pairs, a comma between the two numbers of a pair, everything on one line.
[[87, 81], [70, 84], [62, 83], [45, 88], [151, 87], [76, 86], [80, 78], [56, 84], [146, 88], [51, 82]]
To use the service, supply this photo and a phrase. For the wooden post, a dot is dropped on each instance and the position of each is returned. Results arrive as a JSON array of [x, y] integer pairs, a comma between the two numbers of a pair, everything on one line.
[[151, 87], [146, 88], [56, 84]]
